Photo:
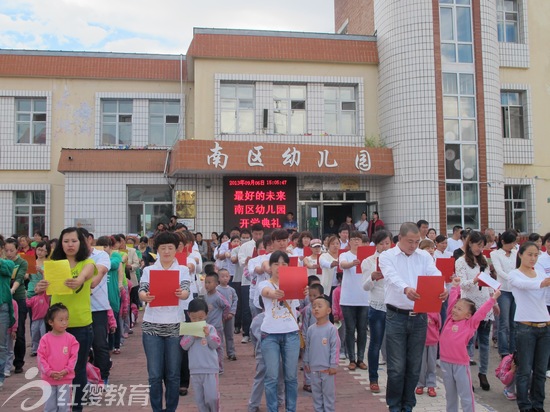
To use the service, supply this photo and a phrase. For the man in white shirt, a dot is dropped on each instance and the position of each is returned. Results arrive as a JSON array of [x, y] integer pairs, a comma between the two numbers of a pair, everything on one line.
[[405, 329], [343, 234], [423, 226], [454, 242], [362, 225]]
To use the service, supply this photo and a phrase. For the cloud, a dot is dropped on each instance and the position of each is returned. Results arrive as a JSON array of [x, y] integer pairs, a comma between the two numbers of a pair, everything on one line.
[[164, 26]]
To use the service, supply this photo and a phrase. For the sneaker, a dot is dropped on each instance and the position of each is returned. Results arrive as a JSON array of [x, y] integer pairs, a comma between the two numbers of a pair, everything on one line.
[[431, 392], [237, 331], [7, 374], [245, 339], [473, 362], [382, 362], [343, 355], [548, 374], [511, 396], [18, 370], [419, 390], [33, 355], [232, 358]]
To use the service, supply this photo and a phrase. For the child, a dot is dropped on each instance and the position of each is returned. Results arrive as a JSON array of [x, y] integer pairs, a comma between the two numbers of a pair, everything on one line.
[[11, 336], [506, 373], [57, 355], [229, 321], [428, 246], [258, 386], [321, 356], [315, 291], [203, 362], [218, 309], [429, 357], [337, 312], [461, 324], [39, 305]]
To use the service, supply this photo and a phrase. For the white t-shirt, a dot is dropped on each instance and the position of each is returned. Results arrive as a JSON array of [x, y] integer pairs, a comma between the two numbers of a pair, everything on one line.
[[277, 317], [352, 293], [100, 297], [529, 296], [445, 254], [453, 245], [256, 278], [543, 264]]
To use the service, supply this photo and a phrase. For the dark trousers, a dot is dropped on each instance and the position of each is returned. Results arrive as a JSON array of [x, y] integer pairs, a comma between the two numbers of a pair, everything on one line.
[[100, 344], [246, 315], [20, 343], [114, 338], [239, 314], [184, 372], [85, 336]]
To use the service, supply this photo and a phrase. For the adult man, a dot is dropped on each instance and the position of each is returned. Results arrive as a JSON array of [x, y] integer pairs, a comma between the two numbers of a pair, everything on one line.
[[247, 251], [405, 329], [236, 281], [343, 234], [454, 242], [290, 225], [100, 306], [423, 227]]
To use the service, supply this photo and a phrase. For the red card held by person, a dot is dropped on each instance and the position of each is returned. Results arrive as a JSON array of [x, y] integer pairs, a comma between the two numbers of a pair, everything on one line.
[[293, 261], [447, 268], [319, 271], [364, 252], [307, 251], [429, 288], [182, 258], [487, 253], [293, 281], [163, 285], [340, 251]]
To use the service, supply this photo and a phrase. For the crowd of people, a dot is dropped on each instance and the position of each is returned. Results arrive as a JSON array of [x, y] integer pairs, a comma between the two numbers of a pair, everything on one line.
[[354, 308]]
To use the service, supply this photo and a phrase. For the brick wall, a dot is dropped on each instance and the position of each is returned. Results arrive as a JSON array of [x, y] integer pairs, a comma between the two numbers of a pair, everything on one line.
[[359, 13]]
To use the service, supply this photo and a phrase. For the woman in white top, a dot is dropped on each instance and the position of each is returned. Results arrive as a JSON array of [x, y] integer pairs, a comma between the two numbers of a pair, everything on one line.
[[312, 261], [329, 264], [504, 261], [441, 247], [280, 339], [528, 285], [468, 268], [373, 281]]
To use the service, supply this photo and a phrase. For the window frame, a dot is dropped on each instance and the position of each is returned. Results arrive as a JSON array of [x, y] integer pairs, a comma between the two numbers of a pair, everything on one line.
[[118, 123], [454, 6], [340, 109], [165, 122], [290, 109], [30, 215], [31, 122], [237, 107], [503, 22], [505, 110], [510, 208]]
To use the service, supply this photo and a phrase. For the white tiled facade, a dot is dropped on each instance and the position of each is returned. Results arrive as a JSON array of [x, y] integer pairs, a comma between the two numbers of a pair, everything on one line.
[[7, 204]]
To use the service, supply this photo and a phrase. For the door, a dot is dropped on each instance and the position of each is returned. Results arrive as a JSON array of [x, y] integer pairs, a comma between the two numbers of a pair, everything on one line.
[[310, 218]]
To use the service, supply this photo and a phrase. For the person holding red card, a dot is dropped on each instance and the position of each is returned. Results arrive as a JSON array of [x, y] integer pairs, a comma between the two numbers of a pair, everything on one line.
[[467, 268], [373, 282], [405, 329], [161, 326], [304, 241], [280, 338], [312, 261], [354, 301]]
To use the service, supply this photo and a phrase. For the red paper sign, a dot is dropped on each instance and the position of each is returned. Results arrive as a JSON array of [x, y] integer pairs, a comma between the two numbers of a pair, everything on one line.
[[319, 270], [364, 252], [182, 258], [447, 268], [163, 285], [31, 263], [340, 251], [293, 281], [378, 266], [307, 251], [262, 252], [293, 261], [429, 288], [487, 253], [189, 248]]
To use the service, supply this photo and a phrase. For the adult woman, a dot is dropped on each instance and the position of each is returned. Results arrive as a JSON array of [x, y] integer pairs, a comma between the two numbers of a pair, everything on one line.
[[161, 326], [214, 243], [304, 241], [468, 268], [375, 224], [25, 246], [280, 339], [73, 247], [432, 234], [362, 224], [203, 246], [373, 282], [528, 285], [504, 261], [441, 247], [329, 264], [7, 318]]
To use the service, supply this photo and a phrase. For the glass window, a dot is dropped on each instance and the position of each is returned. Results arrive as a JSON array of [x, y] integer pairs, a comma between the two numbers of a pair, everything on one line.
[[147, 207], [30, 212], [456, 32], [512, 115], [116, 122], [515, 205], [164, 122], [508, 21], [237, 108], [30, 120], [340, 110], [289, 109]]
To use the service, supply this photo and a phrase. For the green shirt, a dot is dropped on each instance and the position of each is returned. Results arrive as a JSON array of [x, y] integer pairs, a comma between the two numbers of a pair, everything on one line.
[[6, 269], [112, 282], [21, 265], [78, 303]]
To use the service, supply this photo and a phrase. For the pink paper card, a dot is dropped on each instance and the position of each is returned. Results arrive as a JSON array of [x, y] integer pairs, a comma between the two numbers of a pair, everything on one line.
[[293, 281], [163, 285]]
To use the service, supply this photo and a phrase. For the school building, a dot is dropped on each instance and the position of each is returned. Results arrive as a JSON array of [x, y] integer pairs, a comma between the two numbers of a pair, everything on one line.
[[424, 109]]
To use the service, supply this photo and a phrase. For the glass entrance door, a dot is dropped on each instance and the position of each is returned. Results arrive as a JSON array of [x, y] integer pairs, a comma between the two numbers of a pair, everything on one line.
[[310, 218], [143, 218]]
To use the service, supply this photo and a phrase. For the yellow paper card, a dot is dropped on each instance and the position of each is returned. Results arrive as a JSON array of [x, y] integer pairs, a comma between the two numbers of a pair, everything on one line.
[[99, 248], [193, 328], [154, 255], [15, 269], [129, 246], [56, 272]]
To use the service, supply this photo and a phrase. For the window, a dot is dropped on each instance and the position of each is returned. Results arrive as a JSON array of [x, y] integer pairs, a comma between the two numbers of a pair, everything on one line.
[[289, 109], [30, 120], [164, 122], [237, 108], [507, 21], [147, 207], [116, 122], [340, 110], [30, 212], [512, 114], [515, 205], [456, 31]]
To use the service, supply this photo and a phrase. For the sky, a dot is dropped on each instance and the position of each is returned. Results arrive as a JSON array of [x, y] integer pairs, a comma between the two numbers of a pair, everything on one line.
[[147, 26]]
